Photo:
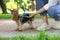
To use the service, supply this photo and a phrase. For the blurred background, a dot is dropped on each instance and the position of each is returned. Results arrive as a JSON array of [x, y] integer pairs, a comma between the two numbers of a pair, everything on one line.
[[23, 5]]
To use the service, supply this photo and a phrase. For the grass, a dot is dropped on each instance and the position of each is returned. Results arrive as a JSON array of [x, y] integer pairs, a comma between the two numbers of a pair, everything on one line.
[[8, 16], [5, 16], [42, 35]]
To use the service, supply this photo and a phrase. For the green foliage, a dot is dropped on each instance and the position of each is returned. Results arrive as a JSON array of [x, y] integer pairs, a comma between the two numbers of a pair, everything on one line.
[[5, 1], [42, 35], [38, 16], [50, 37], [22, 4], [11, 5], [20, 1]]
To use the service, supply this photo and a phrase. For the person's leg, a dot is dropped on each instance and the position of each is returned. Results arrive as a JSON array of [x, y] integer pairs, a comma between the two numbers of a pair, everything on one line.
[[54, 12], [40, 4], [45, 19]]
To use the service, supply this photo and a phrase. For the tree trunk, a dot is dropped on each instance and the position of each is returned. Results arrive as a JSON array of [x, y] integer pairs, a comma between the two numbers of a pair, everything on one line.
[[3, 6]]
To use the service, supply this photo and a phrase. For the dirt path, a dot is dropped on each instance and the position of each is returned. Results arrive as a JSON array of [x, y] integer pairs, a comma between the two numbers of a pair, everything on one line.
[[7, 28]]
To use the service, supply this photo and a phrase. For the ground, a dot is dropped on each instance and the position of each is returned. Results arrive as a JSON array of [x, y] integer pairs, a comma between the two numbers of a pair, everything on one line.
[[8, 26]]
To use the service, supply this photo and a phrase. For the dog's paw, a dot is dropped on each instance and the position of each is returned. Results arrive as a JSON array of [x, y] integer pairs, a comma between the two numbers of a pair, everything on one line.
[[31, 27], [20, 29], [17, 29]]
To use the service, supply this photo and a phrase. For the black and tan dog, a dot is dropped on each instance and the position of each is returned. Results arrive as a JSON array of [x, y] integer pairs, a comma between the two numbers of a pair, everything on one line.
[[20, 20]]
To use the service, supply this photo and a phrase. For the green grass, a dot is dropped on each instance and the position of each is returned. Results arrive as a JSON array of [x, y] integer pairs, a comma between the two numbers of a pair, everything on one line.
[[42, 35], [5, 16], [8, 16]]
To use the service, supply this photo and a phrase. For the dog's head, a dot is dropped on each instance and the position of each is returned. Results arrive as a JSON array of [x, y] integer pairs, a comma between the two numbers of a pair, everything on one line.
[[14, 13]]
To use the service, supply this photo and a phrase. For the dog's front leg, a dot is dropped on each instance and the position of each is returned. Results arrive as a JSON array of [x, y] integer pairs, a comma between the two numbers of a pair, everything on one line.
[[17, 25], [20, 27], [30, 24]]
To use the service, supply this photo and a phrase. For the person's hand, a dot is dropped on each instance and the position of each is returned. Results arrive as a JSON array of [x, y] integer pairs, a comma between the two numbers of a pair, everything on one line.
[[31, 15]]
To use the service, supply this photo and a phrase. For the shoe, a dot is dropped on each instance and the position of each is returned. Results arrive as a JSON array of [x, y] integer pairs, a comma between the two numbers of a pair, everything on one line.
[[44, 26], [57, 25]]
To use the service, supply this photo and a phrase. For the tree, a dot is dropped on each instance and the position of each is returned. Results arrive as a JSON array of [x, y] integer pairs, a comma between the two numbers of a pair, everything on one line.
[[32, 4], [25, 4], [22, 4], [3, 6]]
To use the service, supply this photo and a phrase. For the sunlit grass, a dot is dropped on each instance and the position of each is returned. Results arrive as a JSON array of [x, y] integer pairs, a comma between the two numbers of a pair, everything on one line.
[[5, 16], [42, 35], [8, 16]]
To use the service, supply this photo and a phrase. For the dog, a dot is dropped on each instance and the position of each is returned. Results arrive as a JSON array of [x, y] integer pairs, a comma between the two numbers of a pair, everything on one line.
[[20, 20]]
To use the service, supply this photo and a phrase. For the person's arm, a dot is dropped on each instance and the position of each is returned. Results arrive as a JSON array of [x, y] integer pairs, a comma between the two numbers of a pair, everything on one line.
[[40, 11], [44, 8], [49, 4]]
